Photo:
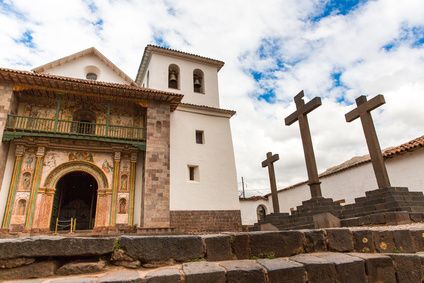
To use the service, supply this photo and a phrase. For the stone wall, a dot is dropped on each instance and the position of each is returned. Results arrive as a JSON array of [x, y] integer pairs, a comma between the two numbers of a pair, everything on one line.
[[155, 200], [206, 220]]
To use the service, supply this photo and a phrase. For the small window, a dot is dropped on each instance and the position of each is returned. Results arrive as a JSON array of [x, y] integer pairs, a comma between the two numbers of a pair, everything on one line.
[[91, 76], [199, 137], [198, 83], [193, 173]]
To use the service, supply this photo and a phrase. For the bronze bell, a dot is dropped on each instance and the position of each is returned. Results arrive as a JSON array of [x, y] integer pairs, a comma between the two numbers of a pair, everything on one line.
[[197, 82], [172, 76]]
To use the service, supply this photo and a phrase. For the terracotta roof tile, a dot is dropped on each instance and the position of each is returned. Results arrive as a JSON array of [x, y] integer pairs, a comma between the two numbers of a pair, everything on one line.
[[205, 107]]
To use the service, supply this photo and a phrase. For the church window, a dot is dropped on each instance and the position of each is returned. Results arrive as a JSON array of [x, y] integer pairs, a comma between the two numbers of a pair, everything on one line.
[[21, 206], [198, 81], [91, 76], [193, 172], [174, 76], [199, 137], [261, 212]]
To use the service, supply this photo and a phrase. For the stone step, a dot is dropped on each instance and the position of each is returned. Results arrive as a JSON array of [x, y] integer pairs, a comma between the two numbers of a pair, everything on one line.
[[314, 267]]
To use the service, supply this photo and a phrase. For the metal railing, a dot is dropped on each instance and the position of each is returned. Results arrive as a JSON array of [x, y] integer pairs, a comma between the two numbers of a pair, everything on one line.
[[63, 127]]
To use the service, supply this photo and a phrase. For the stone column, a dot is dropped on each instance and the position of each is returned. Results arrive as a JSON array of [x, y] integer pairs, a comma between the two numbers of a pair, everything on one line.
[[133, 163], [115, 187], [155, 197], [16, 174], [34, 187]]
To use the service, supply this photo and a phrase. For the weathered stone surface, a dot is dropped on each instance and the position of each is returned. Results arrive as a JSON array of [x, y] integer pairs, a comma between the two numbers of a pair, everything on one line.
[[339, 240], [318, 269], [161, 248], [404, 241], [15, 262], [363, 241], [54, 246], [349, 268], [326, 220], [276, 244], [283, 270], [240, 245], [246, 271], [379, 267], [80, 267], [218, 247], [121, 276], [315, 241], [35, 270], [203, 272], [397, 218], [74, 280], [164, 275], [268, 227], [407, 267], [384, 241], [120, 258]]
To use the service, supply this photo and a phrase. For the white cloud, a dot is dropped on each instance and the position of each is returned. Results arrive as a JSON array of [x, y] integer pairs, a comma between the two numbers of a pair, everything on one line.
[[233, 31]]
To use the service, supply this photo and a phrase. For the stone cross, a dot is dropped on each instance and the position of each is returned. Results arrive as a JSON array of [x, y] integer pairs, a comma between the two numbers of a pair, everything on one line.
[[302, 110], [269, 162], [363, 111]]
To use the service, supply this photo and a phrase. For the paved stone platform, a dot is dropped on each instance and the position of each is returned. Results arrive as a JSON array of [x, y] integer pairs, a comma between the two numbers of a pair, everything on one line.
[[314, 267], [315, 250]]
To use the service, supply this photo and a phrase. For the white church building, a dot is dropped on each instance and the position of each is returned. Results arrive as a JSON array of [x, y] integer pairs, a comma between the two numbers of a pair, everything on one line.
[[347, 181], [81, 141]]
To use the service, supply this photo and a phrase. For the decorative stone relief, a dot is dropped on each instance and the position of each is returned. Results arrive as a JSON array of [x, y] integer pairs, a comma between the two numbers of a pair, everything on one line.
[[50, 160], [78, 155], [106, 167]]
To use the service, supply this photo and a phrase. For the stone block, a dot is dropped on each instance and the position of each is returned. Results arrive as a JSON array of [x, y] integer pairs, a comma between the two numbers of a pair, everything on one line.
[[404, 241], [339, 240], [55, 246], [283, 270], [379, 267], [74, 279], [315, 241], [318, 269], [276, 244], [121, 276], [203, 272], [164, 275], [240, 245], [349, 269], [162, 248], [326, 220], [35, 270], [246, 271], [416, 217], [384, 241], [418, 238], [377, 218], [268, 227], [407, 267], [397, 218], [218, 247], [81, 267], [363, 241], [15, 262]]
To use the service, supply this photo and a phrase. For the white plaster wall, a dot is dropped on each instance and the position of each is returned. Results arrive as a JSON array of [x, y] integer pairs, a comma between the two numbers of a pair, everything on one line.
[[158, 79], [138, 188], [405, 170], [4, 189], [217, 187], [76, 69], [248, 210]]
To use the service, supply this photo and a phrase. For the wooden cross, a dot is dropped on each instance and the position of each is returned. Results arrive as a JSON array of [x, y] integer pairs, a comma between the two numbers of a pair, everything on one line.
[[269, 162], [302, 110], [363, 111]]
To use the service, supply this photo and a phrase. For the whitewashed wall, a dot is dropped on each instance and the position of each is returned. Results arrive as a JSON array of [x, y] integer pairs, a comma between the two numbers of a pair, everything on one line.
[[78, 69], [217, 185], [405, 170], [248, 210]]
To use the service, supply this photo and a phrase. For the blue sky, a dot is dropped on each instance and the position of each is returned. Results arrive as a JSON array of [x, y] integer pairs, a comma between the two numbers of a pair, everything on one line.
[[333, 49]]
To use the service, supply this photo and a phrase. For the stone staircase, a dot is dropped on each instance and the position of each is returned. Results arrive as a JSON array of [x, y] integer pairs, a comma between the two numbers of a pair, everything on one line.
[[384, 254]]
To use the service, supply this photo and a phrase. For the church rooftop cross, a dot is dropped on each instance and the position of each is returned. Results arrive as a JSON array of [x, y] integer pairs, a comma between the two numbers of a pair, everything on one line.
[[363, 112], [302, 110], [269, 162]]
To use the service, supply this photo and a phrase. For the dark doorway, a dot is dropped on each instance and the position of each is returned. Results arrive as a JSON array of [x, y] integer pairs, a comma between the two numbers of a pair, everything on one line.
[[75, 197]]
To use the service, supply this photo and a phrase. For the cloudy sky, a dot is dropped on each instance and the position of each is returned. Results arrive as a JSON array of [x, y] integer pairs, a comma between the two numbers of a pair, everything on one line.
[[272, 49]]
